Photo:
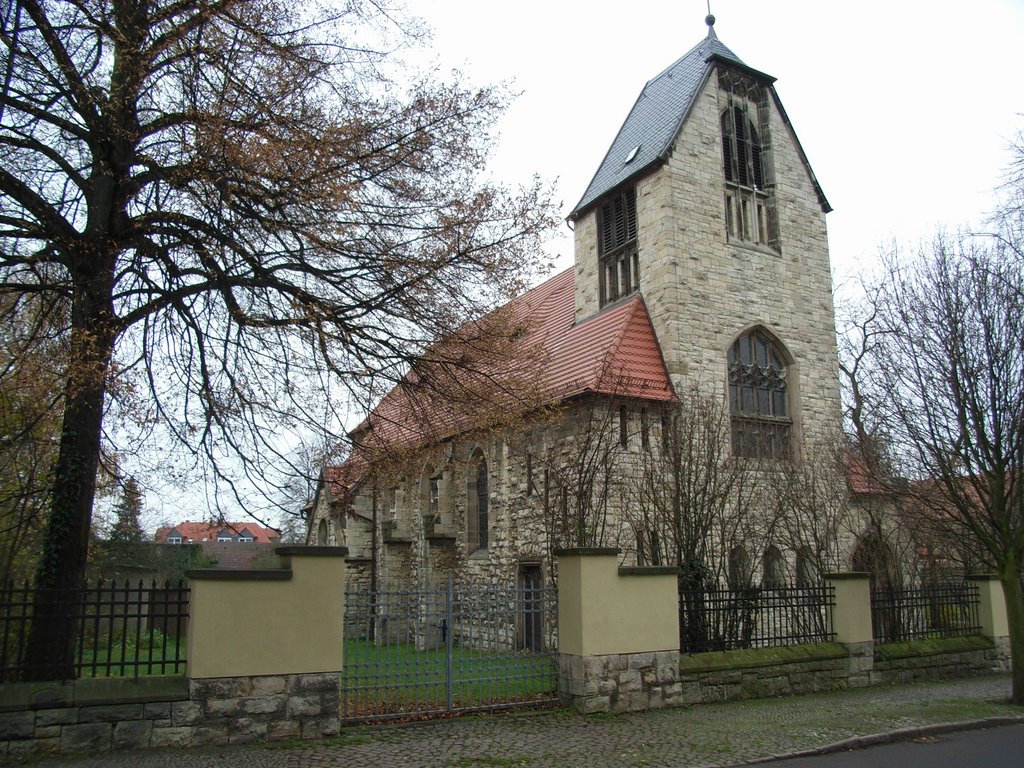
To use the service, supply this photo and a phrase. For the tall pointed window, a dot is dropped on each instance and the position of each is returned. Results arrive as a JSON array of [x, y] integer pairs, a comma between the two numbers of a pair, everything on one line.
[[477, 506], [759, 397], [749, 206], [619, 273]]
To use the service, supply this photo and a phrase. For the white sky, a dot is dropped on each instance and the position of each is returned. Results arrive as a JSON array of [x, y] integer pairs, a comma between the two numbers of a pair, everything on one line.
[[904, 108]]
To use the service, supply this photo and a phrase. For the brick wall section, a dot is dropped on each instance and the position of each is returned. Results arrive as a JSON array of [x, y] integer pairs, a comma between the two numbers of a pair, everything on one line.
[[231, 710]]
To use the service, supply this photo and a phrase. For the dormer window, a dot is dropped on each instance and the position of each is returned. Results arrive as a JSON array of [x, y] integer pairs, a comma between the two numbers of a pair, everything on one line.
[[174, 539], [617, 252]]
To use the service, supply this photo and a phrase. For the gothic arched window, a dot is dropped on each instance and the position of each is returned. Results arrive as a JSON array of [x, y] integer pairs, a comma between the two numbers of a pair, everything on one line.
[[759, 397]]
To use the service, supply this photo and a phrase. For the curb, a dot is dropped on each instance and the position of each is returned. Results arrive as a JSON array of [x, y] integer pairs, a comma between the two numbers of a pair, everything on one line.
[[890, 737]]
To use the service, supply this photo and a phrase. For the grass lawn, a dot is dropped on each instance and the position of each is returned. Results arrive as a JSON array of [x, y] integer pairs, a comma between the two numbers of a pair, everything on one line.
[[113, 660], [397, 678]]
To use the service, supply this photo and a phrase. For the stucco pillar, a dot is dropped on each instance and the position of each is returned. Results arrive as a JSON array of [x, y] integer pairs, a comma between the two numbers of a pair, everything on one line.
[[618, 633], [991, 606], [851, 622], [265, 649]]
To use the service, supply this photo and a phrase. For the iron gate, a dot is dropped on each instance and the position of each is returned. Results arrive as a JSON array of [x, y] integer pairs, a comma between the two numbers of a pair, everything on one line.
[[455, 648]]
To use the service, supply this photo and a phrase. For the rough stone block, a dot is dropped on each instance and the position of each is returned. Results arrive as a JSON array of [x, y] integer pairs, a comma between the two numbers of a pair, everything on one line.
[[31, 748], [157, 710], [629, 681], [186, 713], [110, 713], [595, 666], [221, 708], [64, 716], [17, 725], [592, 704], [247, 730], [304, 706], [220, 688], [86, 737], [133, 735], [283, 729], [323, 681], [47, 732], [263, 705], [178, 736], [210, 733], [267, 684], [640, 660]]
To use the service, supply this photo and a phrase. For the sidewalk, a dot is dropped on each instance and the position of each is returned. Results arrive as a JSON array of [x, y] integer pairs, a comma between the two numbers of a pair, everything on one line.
[[708, 735]]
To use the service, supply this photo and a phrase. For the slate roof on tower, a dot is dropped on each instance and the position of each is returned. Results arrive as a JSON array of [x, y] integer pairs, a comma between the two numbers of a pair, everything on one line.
[[660, 111]]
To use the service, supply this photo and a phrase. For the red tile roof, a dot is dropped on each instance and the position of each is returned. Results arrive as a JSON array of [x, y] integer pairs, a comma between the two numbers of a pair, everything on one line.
[[198, 532], [551, 359]]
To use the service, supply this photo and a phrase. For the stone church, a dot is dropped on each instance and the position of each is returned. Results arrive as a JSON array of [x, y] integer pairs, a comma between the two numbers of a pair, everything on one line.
[[701, 266]]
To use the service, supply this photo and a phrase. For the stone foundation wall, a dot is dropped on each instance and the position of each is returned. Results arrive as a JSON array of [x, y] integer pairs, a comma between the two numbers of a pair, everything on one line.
[[39, 720], [621, 682], [717, 679], [907, 668], [637, 681]]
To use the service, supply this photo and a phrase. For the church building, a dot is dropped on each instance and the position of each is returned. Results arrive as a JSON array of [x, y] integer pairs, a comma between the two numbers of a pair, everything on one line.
[[701, 287]]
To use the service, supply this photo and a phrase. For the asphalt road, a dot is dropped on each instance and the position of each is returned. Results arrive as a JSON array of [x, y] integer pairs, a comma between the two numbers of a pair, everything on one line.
[[989, 748]]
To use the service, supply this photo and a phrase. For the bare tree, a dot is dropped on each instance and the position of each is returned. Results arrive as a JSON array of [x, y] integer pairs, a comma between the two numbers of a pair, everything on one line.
[[578, 471], [814, 516], [240, 213], [948, 384], [692, 505]]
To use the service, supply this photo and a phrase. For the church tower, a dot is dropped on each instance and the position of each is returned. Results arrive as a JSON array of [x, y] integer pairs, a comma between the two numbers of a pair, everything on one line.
[[706, 206]]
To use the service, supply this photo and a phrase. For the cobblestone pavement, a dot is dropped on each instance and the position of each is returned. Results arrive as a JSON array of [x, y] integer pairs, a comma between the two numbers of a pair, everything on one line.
[[709, 735]]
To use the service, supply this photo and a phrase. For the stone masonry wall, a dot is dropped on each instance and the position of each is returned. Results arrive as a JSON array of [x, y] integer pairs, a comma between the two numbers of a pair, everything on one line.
[[621, 682], [639, 681], [942, 666], [231, 710]]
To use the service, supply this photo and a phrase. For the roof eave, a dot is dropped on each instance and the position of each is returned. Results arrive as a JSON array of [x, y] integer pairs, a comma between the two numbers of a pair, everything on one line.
[[717, 58]]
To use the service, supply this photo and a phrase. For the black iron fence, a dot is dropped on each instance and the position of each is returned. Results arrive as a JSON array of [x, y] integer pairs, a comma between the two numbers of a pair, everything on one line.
[[732, 618], [923, 612], [124, 629]]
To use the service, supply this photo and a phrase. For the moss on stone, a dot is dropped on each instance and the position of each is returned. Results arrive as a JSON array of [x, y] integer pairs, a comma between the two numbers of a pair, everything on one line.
[[760, 657], [932, 647]]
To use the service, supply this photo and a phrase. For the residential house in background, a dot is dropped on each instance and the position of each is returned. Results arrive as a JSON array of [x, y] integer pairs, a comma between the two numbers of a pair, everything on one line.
[[228, 545]]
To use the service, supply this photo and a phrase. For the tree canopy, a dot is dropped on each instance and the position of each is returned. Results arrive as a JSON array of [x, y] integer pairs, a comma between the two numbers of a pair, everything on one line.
[[240, 216]]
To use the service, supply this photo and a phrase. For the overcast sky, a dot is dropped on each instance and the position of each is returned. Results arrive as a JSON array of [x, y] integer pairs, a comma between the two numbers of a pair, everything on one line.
[[904, 108]]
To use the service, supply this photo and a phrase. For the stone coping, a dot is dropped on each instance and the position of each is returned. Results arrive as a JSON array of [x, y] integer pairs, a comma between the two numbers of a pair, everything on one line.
[[302, 550], [846, 575], [933, 647], [718, 661], [77, 693], [648, 570], [240, 574], [585, 551]]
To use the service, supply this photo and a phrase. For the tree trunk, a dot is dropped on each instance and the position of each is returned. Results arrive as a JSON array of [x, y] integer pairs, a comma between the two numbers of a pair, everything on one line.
[[1011, 581], [60, 573]]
